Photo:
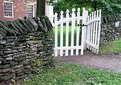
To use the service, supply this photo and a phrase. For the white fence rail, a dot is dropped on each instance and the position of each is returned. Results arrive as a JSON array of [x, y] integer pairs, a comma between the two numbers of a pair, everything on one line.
[[70, 37]]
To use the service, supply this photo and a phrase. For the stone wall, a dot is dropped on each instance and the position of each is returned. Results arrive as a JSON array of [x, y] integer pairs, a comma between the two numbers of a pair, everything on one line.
[[24, 48], [111, 28]]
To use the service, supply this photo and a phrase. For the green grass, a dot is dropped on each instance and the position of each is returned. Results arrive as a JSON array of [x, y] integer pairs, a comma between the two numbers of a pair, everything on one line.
[[111, 47], [70, 74]]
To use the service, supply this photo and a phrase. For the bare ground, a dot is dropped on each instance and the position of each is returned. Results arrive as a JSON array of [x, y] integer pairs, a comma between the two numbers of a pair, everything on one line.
[[110, 62]]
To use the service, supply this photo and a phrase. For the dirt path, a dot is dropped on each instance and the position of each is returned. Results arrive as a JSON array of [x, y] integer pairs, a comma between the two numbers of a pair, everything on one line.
[[110, 62]]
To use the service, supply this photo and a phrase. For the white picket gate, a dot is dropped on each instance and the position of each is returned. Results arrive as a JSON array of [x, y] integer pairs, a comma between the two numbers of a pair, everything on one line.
[[75, 33]]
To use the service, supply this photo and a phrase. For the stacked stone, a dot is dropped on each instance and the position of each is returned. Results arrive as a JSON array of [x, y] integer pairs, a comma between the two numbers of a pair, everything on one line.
[[22, 55], [48, 43], [41, 45], [13, 54], [111, 28]]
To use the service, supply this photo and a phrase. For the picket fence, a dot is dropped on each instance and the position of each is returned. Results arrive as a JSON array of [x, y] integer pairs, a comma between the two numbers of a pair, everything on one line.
[[75, 33]]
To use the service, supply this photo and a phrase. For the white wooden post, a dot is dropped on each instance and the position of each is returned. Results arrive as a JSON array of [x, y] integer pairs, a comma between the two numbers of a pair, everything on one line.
[[67, 31], [56, 35], [95, 27], [78, 31], [84, 18], [91, 18], [87, 34], [94, 32], [91, 28], [88, 31], [72, 30], [99, 30], [97, 13], [61, 34], [49, 12]]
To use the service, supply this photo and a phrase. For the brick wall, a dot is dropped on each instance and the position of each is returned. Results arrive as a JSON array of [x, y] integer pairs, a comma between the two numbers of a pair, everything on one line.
[[1, 9], [20, 9]]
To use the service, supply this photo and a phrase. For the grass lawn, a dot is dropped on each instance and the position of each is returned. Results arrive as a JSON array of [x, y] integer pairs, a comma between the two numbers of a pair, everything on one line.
[[70, 74], [111, 47]]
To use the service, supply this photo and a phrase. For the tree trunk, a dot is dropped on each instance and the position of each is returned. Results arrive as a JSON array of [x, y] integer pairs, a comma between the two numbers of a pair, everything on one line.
[[40, 8]]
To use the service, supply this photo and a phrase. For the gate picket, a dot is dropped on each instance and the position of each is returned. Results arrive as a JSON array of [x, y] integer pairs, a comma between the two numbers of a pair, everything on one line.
[[77, 31], [99, 30], [61, 34], [72, 31], [67, 32]]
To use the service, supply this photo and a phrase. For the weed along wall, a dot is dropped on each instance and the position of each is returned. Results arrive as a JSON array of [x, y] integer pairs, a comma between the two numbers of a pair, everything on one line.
[[111, 28], [25, 45]]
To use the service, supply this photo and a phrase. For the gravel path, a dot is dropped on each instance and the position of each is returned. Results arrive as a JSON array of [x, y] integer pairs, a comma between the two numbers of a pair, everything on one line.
[[110, 62]]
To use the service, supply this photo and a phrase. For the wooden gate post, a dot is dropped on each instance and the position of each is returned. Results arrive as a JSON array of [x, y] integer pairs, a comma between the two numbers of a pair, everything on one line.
[[56, 36], [83, 38], [49, 13]]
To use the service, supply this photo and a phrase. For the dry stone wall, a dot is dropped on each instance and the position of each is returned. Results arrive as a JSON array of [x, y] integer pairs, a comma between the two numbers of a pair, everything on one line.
[[25, 45], [111, 28]]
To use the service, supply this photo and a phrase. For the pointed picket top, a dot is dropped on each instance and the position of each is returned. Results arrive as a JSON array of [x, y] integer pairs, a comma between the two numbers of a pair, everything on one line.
[[61, 16], [78, 9], [67, 11], [100, 12], [56, 14], [73, 10], [94, 14], [90, 17], [97, 13], [61, 12], [83, 9], [78, 12]]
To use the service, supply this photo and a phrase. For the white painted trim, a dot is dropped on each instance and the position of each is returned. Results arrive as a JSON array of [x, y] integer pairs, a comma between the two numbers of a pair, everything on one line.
[[32, 3], [12, 9]]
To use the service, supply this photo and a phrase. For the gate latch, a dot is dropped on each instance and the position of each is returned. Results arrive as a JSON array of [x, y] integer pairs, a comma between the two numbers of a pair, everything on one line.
[[82, 25]]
